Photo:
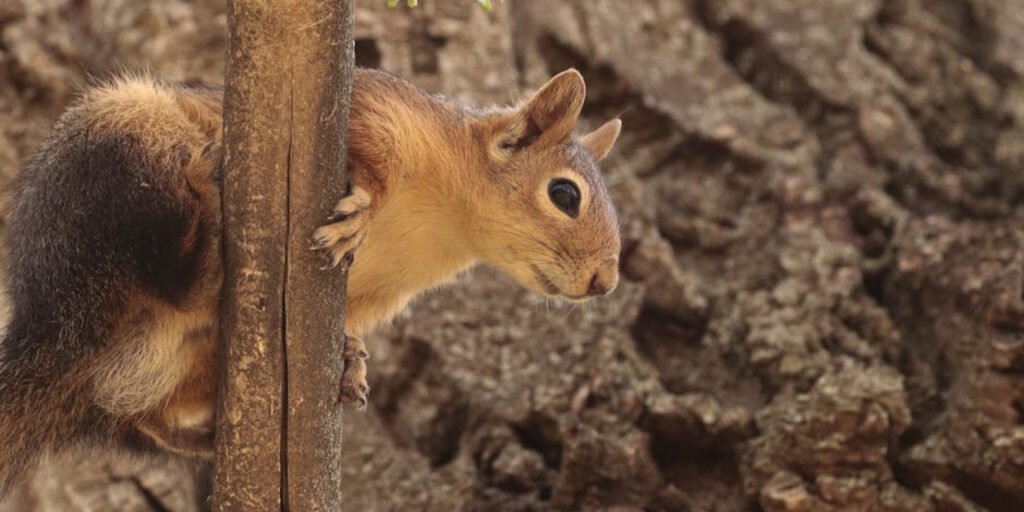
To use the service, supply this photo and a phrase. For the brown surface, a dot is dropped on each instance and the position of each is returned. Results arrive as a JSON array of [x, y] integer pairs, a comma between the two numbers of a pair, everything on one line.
[[253, 403], [824, 298], [279, 422], [315, 299]]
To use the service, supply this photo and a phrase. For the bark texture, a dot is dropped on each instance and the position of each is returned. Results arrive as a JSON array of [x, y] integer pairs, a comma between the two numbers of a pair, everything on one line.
[[289, 77], [822, 205]]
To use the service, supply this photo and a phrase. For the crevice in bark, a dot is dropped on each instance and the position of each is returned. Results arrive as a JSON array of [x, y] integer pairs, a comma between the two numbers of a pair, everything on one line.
[[672, 345], [440, 439], [541, 434], [747, 51], [414, 359], [284, 302]]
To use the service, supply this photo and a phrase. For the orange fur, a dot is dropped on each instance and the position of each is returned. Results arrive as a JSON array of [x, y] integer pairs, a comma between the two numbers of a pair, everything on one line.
[[447, 187]]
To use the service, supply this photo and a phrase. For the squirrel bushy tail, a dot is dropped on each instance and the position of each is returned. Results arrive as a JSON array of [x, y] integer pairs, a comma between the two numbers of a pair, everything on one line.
[[41, 409], [103, 215]]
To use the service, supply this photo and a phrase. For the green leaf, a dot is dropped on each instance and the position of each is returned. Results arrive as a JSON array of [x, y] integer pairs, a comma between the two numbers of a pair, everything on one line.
[[486, 4]]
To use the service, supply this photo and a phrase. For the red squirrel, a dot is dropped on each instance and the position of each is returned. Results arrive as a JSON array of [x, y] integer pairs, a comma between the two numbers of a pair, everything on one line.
[[116, 265]]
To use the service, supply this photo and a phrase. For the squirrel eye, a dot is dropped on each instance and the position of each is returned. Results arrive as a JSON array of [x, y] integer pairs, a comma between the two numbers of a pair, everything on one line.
[[565, 195]]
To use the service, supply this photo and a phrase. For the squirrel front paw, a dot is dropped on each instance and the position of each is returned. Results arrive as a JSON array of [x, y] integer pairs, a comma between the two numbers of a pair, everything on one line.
[[346, 229], [354, 389]]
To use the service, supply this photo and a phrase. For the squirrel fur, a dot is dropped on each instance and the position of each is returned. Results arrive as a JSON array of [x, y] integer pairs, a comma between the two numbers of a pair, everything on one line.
[[116, 265]]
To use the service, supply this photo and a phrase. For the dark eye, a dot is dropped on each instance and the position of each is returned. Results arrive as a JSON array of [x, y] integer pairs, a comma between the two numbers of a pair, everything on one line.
[[565, 195]]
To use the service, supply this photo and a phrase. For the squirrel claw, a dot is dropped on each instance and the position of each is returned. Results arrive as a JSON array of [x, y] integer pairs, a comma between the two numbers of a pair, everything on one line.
[[354, 395], [333, 260], [354, 389], [346, 228]]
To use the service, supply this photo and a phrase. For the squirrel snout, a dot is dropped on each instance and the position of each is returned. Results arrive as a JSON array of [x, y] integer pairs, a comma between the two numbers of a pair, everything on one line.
[[604, 279]]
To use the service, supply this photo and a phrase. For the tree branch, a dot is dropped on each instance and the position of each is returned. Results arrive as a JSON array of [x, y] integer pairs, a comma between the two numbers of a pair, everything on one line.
[[285, 126]]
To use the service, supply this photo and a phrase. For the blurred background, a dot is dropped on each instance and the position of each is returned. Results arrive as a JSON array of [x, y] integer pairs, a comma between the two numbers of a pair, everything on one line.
[[822, 309]]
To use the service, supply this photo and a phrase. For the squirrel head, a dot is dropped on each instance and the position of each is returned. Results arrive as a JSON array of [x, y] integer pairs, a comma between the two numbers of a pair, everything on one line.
[[550, 222]]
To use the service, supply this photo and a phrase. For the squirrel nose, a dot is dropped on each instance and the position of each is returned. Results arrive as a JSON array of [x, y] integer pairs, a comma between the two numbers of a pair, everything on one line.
[[604, 281]]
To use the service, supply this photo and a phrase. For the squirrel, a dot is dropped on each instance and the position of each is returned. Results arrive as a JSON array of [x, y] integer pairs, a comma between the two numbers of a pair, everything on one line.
[[116, 265]]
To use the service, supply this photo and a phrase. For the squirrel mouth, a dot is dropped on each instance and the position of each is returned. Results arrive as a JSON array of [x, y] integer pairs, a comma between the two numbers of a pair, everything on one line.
[[550, 287], [545, 282]]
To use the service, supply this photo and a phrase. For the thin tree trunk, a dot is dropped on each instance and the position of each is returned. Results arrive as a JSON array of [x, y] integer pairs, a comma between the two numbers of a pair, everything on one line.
[[285, 125]]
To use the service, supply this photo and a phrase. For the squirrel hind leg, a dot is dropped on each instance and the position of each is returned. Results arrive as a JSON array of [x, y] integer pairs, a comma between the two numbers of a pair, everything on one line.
[[184, 423], [354, 389], [187, 442]]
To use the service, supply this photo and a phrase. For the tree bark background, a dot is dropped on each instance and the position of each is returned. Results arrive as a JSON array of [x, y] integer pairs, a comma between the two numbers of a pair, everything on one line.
[[826, 198]]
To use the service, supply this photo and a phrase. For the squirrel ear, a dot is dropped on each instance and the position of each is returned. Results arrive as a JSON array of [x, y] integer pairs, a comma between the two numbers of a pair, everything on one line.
[[550, 115], [600, 141]]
